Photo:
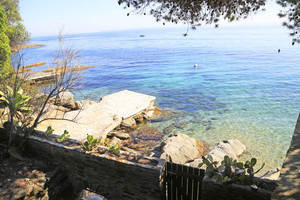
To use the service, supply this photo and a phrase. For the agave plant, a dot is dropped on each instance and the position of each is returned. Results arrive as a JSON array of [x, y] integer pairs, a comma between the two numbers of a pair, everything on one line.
[[17, 102]]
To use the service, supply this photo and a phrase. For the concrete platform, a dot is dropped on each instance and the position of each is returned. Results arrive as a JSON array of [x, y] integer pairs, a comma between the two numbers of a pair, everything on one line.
[[38, 76], [100, 118]]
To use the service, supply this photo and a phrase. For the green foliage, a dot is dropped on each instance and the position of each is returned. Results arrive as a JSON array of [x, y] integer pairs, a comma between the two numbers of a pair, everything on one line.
[[291, 13], [90, 143], [194, 12], [17, 101], [115, 149], [49, 130], [4, 45], [16, 31], [231, 171], [64, 136]]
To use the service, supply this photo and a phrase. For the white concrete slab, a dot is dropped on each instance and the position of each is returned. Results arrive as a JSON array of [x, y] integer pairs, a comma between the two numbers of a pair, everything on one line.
[[100, 118]]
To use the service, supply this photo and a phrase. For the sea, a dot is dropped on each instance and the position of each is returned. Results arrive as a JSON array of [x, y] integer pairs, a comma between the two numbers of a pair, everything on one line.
[[246, 85]]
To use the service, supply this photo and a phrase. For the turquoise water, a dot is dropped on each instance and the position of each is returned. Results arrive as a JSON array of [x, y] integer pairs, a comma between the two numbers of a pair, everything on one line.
[[243, 88]]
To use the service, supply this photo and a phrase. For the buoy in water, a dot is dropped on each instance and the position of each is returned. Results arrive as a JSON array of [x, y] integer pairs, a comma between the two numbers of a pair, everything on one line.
[[195, 65]]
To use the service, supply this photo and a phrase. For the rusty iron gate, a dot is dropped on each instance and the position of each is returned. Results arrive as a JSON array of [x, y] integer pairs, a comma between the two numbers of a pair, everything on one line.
[[182, 182]]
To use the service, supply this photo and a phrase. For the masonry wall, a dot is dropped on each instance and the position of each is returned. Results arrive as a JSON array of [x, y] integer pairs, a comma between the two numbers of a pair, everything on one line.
[[114, 179]]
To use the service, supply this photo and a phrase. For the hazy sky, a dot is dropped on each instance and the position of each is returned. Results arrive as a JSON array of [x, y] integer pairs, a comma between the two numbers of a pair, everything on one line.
[[47, 17]]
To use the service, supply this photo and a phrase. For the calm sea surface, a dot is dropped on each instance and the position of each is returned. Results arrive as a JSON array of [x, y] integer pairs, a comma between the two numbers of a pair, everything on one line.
[[243, 88]]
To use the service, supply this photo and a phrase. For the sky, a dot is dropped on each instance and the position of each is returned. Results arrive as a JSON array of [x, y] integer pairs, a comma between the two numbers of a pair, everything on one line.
[[48, 17]]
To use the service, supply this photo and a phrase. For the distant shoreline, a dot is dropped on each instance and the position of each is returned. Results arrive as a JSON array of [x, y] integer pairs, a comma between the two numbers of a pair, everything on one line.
[[27, 46]]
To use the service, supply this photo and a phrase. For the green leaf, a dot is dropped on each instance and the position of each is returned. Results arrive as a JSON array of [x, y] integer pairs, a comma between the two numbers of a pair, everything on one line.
[[247, 164], [90, 138], [220, 178], [226, 179], [253, 161], [49, 130], [210, 158], [9, 91], [240, 165], [227, 161]]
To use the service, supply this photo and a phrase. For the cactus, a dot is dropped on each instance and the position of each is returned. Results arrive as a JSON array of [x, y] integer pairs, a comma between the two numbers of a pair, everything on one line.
[[115, 149], [49, 130], [231, 171], [64, 136], [91, 143]]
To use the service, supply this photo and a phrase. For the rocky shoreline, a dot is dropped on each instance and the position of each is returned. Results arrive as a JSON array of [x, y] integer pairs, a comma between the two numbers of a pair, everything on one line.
[[133, 135]]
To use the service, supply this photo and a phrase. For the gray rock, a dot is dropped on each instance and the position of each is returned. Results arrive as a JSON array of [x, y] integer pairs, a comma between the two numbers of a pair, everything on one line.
[[120, 135], [86, 103], [148, 114], [78, 105], [180, 149], [114, 141], [129, 123], [232, 148], [65, 99]]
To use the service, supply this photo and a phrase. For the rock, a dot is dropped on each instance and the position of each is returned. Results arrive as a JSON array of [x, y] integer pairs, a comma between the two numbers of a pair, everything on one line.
[[20, 193], [237, 147], [65, 99], [181, 149], [120, 135], [114, 141], [129, 123], [86, 103], [195, 163], [232, 148], [160, 115], [148, 114], [78, 105], [139, 118], [38, 191]]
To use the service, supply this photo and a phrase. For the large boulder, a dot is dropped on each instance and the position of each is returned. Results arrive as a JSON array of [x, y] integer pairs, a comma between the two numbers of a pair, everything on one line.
[[232, 148], [181, 149], [65, 99]]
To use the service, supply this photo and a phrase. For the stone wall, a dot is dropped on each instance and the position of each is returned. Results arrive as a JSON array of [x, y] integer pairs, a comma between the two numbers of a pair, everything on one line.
[[108, 176]]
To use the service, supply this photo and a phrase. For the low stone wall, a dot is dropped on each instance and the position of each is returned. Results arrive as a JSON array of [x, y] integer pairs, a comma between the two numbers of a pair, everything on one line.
[[108, 176]]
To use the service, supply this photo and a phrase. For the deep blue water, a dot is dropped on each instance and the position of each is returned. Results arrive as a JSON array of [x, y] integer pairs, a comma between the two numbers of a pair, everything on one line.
[[243, 88]]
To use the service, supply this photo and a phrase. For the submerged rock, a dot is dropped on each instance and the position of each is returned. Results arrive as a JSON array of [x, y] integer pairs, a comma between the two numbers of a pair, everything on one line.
[[181, 149], [145, 138], [119, 134], [162, 115]]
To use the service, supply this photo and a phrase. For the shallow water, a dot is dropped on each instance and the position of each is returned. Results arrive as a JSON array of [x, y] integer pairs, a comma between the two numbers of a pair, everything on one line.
[[243, 88]]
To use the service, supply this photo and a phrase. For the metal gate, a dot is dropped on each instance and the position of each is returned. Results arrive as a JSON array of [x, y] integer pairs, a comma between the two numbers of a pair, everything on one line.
[[182, 182]]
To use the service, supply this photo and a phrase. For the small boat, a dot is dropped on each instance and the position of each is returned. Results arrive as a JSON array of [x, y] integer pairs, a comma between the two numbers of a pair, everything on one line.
[[142, 36]]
